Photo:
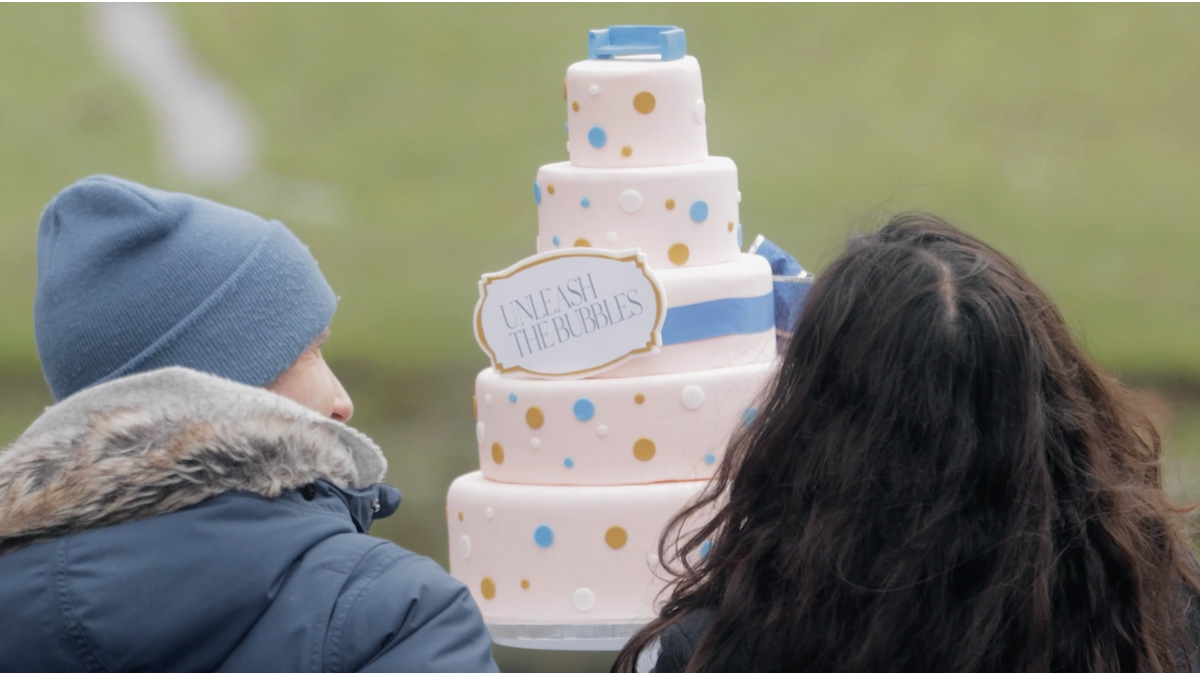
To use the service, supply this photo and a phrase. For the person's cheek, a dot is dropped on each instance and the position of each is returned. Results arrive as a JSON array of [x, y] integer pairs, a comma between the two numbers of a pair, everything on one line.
[[310, 388]]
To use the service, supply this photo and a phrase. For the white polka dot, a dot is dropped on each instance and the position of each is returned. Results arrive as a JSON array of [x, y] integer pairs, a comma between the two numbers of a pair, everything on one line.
[[488, 513], [594, 89], [535, 442], [584, 598], [739, 196], [487, 399], [479, 432], [652, 559], [602, 430], [692, 397], [612, 237], [631, 201], [464, 546], [700, 110]]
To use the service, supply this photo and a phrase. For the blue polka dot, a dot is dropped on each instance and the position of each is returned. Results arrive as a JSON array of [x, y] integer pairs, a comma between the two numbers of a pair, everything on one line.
[[710, 459], [512, 397], [567, 127], [749, 415], [554, 240], [739, 235], [569, 463], [585, 202], [699, 211], [704, 548], [537, 193], [597, 137], [584, 410], [543, 536]]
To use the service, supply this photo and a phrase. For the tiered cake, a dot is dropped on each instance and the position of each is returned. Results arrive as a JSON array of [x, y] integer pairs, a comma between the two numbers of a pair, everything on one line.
[[560, 527]]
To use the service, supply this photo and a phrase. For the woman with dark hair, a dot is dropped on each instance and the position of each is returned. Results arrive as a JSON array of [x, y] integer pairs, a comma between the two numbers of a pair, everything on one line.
[[939, 479]]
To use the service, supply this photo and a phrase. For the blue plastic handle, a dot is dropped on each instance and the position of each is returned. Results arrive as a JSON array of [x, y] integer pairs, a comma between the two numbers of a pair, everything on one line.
[[670, 42]]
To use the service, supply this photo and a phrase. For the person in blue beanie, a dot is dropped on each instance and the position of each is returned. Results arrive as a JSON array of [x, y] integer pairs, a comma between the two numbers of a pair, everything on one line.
[[194, 501]]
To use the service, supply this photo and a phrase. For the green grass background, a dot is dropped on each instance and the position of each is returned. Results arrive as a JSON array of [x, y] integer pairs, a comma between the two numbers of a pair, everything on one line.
[[400, 142]]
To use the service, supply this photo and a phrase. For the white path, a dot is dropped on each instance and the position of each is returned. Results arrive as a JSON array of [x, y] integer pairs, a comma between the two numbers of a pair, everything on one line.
[[205, 132]]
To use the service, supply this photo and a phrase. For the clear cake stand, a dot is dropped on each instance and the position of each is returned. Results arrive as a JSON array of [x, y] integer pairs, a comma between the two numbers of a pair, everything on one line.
[[595, 637]]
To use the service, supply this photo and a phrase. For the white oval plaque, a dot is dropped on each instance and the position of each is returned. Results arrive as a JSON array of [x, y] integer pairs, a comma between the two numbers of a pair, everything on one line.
[[570, 313]]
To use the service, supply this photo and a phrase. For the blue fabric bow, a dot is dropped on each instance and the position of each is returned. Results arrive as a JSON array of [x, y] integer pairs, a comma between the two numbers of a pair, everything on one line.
[[791, 284]]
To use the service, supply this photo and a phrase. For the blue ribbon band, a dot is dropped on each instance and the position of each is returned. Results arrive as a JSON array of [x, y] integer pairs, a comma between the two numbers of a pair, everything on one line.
[[776, 310], [717, 318]]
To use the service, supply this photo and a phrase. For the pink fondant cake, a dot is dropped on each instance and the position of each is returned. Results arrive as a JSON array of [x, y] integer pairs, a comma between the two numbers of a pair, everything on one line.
[[560, 527]]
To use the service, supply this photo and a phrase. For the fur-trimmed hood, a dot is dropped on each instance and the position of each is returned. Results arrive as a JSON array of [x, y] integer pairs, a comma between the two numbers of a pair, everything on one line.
[[157, 442]]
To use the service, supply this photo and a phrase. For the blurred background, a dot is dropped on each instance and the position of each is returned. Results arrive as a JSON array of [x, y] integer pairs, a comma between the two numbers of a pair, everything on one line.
[[400, 141]]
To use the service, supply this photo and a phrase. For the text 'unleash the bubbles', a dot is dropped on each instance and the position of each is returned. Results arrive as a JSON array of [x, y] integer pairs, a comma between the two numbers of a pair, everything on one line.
[[570, 313]]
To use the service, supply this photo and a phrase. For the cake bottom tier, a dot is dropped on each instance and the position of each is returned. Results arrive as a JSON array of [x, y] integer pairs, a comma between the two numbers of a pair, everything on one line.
[[548, 554]]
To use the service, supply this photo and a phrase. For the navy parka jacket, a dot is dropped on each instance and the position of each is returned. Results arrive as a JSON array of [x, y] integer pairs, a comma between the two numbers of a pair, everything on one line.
[[173, 521]]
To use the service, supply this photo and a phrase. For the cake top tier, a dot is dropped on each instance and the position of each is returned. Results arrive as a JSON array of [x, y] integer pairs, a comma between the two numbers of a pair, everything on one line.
[[638, 101]]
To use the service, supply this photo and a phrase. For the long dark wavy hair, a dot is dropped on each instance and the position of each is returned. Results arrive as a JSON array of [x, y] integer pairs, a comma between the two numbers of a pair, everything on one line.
[[939, 479]]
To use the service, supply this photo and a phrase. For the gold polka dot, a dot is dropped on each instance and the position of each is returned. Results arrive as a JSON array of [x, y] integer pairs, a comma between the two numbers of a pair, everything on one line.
[[626, 151], [575, 106], [639, 399], [616, 537], [644, 449], [644, 102], [497, 453], [550, 188], [488, 588], [670, 204], [582, 242], [525, 584], [731, 226], [678, 254], [534, 417], [460, 516], [564, 88], [475, 406]]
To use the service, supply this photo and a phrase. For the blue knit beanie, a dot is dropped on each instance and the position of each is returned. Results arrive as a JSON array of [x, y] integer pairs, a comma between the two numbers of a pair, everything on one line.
[[131, 279]]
